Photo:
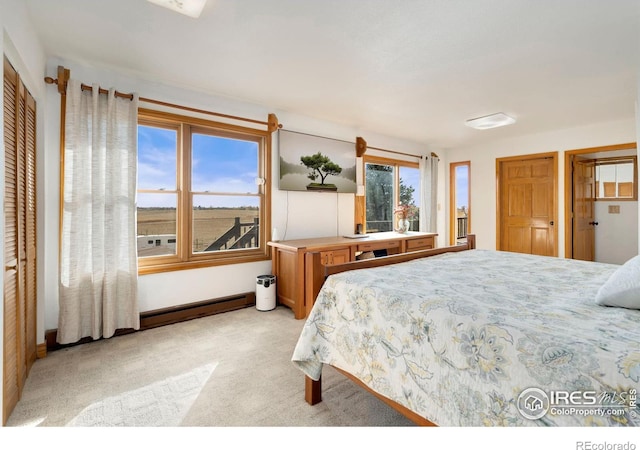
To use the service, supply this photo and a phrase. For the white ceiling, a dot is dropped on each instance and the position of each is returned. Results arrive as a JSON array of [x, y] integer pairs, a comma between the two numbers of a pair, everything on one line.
[[415, 69]]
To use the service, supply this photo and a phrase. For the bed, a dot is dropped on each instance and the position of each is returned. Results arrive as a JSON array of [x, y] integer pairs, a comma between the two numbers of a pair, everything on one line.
[[467, 337]]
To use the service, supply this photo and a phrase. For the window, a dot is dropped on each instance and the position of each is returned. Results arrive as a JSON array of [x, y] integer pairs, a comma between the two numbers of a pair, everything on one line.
[[202, 192], [388, 183], [460, 201], [616, 178]]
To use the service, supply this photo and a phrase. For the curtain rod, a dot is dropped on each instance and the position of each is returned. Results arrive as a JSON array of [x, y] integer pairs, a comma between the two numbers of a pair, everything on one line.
[[63, 77], [367, 146], [401, 153], [315, 135]]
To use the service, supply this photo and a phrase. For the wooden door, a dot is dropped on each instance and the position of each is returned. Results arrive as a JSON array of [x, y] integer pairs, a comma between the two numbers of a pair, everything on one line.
[[527, 204], [583, 209], [19, 237]]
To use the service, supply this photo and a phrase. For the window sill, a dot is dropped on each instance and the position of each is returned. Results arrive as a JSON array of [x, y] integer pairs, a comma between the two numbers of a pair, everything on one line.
[[150, 268]]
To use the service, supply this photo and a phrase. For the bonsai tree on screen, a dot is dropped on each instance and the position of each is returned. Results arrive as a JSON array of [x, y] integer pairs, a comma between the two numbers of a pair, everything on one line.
[[320, 166]]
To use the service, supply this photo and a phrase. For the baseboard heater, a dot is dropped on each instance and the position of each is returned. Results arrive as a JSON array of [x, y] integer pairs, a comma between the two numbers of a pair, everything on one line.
[[168, 316]]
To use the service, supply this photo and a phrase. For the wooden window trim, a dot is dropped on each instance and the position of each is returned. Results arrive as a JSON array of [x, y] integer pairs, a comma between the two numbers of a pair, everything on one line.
[[185, 259], [616, 160], [361, 212]]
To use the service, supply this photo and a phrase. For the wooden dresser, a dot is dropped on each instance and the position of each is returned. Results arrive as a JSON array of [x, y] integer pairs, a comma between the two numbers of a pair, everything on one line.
[[288, 258]]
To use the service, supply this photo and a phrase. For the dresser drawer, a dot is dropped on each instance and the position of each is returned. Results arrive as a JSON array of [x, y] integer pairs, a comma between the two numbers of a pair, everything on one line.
[[371, 246], [424, 243], [335, 256]]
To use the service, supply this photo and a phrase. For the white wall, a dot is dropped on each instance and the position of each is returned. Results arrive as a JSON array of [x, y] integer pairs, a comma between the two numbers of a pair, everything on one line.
[[615, 236], [295, 214], [483, 168]]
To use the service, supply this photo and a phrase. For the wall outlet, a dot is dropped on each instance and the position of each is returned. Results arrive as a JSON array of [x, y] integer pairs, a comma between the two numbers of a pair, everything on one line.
[[614, 209]]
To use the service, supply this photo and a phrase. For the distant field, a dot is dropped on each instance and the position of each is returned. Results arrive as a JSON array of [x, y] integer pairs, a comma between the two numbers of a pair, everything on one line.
[[209, 224]]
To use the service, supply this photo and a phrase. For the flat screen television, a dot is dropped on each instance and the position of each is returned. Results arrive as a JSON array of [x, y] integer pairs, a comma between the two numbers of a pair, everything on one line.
[[316, 164]]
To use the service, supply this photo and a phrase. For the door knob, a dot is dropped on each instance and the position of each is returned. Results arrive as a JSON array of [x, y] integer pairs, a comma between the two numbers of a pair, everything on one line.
[[593, 223]]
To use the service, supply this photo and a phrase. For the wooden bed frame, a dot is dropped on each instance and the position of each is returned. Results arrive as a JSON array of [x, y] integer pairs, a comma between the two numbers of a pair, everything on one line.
[[315, 276]]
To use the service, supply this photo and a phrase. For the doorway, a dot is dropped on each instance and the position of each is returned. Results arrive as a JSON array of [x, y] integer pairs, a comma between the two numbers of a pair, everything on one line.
[[601, 214], [526, 204], [459, 202]]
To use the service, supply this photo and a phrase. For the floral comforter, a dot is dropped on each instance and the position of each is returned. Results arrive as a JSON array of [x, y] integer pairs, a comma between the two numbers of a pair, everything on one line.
[[482, 338]]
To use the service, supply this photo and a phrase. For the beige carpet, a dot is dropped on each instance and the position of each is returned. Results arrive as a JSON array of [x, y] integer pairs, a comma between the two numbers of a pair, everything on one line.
[[163, 403], [228, 370]]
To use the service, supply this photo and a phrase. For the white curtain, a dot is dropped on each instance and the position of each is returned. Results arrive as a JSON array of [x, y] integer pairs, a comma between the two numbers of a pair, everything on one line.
[[429, 193], [98, 263]]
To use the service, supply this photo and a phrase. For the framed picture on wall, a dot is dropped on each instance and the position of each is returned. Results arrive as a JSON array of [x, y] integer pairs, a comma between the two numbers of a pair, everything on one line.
[[316, 164]]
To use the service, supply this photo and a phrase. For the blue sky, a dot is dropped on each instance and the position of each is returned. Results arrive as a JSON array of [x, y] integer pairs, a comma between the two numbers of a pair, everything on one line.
[[411, 177], [462, 186], [156, 158], [218, 165]]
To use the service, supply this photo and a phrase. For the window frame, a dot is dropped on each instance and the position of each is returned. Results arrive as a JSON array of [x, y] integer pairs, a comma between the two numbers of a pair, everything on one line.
[[185, 258], [396, 163], [453, 209], [631, 159]]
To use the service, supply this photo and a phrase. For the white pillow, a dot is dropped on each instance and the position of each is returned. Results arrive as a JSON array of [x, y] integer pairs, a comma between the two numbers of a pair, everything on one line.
[[623, 286]]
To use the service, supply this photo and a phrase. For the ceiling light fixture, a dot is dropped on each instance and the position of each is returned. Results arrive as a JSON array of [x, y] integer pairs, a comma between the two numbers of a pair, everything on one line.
[[191, 8], [490, 121]]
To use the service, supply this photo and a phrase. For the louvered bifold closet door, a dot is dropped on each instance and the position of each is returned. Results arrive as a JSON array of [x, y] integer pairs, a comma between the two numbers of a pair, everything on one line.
[[30, 231], [19, 237], [21, 154], [12, 339]]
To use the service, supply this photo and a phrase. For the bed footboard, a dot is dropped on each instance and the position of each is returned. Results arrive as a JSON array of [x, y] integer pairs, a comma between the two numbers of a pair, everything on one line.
[[316, 272], [315, 275]]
